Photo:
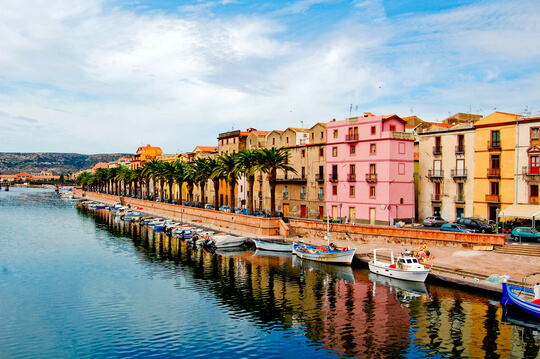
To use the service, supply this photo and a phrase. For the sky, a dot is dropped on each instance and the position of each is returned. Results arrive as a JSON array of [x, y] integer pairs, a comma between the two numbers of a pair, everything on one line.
[[109, 76]]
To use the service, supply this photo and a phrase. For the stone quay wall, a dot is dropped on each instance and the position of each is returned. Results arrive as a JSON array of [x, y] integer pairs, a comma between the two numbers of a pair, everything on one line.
[[270, 227]]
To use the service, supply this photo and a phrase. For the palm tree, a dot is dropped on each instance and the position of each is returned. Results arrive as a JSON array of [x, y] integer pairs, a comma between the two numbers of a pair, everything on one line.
[[137, 179], [190, 177], [101, 178], [246, 162], [179, 174], [167, 172], [113, 179], [150, 172], [212, 164], [270, 161], [84, 179], [228, 170], [204, 171]]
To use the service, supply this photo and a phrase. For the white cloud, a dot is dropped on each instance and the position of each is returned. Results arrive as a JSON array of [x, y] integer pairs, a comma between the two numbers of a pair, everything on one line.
[[97, 78]]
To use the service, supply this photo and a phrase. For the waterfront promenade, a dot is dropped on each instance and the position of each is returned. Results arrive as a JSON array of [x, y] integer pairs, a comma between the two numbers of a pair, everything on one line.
[[455, 264]]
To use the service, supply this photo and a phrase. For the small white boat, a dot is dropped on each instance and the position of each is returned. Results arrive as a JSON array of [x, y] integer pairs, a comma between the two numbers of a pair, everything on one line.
[[272, 246], [406, 267], [130, 215], [224, 240]]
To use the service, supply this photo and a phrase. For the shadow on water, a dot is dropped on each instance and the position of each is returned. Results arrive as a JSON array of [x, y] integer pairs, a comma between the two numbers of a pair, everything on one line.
[[341, 310]]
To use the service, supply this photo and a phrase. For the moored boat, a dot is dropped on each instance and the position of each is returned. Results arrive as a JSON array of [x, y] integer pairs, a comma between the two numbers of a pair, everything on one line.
[[406, 267], [272, 246], [526, 297], [223, 240]]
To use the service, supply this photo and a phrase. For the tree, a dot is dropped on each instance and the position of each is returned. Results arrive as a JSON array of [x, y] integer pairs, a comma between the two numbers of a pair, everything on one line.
[[270, 161], [203, 173], [227, 169], [179, 174], [84, 179], [246, 162], [212, 166]]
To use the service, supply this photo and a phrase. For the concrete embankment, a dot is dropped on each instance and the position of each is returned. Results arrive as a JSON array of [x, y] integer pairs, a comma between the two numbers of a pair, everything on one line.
[[468, 263]]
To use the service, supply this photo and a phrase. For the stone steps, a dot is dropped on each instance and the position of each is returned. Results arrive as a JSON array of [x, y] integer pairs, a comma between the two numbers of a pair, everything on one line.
[[523, 249]]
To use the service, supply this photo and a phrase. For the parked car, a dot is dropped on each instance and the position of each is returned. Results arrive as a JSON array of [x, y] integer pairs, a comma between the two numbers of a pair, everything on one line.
[[197, 204], [452, 227], [527, 233], [259, 214], [433, 221], [476, 225], [238, 210], [209, 206], [226, 209], [185, 203]]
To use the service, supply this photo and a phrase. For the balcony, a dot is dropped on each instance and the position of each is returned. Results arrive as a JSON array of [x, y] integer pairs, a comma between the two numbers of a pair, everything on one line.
[[493, 198], [291, 179], [351, 177], [531, 173], [285, 195], [319, 177], [459, 198], [494, 145], [533, 199], [435, 175], [302, 196], [321, 197], [402, 135], [535, 141], [460, 149], [371, 177], [458, 174], [437, 150], [436, 197], [493, 173], [333, 177], [351, 138]]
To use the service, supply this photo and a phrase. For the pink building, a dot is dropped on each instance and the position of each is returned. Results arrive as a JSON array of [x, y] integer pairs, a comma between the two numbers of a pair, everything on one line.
[[370, 166]]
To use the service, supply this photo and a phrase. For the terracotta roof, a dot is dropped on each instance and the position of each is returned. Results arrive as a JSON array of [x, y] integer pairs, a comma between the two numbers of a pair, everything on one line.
[[206, 148], [295, 129]]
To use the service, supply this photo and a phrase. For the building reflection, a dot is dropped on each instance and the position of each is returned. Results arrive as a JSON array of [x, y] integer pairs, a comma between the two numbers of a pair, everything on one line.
[[341, 309]]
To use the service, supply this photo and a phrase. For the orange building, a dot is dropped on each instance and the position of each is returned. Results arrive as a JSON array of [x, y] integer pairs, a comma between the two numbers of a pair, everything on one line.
[[143, 154]]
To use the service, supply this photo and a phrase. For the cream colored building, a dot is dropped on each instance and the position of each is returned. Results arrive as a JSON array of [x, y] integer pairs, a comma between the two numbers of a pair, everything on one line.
[[446, 172]]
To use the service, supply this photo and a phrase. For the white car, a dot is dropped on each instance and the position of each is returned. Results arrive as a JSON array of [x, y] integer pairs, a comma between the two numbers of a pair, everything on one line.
[[226, 209]]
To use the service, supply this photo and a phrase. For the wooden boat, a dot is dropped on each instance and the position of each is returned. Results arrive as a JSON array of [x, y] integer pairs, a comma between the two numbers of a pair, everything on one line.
[[526, 297], [272, 246], [223, 240], [406, 267], [327, 254]]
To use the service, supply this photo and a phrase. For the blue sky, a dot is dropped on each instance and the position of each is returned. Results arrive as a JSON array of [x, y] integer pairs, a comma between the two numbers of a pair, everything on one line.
[[101, 76]]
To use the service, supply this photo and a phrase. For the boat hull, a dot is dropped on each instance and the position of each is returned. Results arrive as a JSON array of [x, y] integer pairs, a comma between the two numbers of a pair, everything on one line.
[[229, 241], [335, 257], [411, 275], [509, 297], [271, 246]]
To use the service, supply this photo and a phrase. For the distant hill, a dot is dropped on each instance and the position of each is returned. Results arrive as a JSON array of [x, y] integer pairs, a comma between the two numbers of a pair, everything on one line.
[[58, 163]]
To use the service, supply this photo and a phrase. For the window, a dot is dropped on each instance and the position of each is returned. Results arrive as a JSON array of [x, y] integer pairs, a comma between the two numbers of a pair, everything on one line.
[[372, 191], [303, 173], [495, 139], [335, 134], [303, 153], [250, 141], [234, 140], [535, 165], [352, 169], [334, 151], [321, 152], [373, 168], [393, 128], [495, 161], [494, 187], [373, 130], [273, 141], [227, 141], [351, 191], [321, 171], [352, 150], [321, 193], [535, 133], [373, 148], [312, 135], [287, 139], [322, 134], [334, 190], [303, 191]]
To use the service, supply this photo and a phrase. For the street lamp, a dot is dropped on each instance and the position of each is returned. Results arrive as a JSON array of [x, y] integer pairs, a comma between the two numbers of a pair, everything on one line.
[[413, 214], [340, 205]]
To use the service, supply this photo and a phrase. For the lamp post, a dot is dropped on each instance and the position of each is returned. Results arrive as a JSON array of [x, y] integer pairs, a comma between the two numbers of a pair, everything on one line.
[[340, 205], [413, 214]]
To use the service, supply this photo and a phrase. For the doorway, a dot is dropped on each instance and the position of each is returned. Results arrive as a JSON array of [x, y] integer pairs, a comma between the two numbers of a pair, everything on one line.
[[372, 216]]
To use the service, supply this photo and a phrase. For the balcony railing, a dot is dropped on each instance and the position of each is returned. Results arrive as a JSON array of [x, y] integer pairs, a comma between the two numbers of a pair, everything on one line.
[[319, 177], [436, 197], [402, 135], [285, 195], [302, 196], [460, 149], [435, 174], [533, 199], [333, 177], [458, 173], [321, 197], [351, 177], [353, 137], [530, 170], [459, 198], [494, 198], [494, 173], [437, 150], [291, 179], [371, 177], [494, 145]]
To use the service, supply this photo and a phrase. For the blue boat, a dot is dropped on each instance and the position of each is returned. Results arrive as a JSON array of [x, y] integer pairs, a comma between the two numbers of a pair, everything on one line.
[[523, 297]]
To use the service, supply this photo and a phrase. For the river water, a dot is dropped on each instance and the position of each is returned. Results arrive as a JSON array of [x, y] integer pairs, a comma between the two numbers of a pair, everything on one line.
[[76, 283]]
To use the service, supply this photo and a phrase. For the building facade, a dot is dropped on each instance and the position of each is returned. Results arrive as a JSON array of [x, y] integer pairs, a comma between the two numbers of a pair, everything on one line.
[[370, 170]]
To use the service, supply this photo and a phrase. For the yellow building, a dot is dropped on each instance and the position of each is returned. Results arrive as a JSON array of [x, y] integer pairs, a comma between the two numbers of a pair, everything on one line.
[[495, 159]]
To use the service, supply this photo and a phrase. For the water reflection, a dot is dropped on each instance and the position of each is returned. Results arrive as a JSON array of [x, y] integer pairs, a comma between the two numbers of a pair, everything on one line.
[[342, 310]]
